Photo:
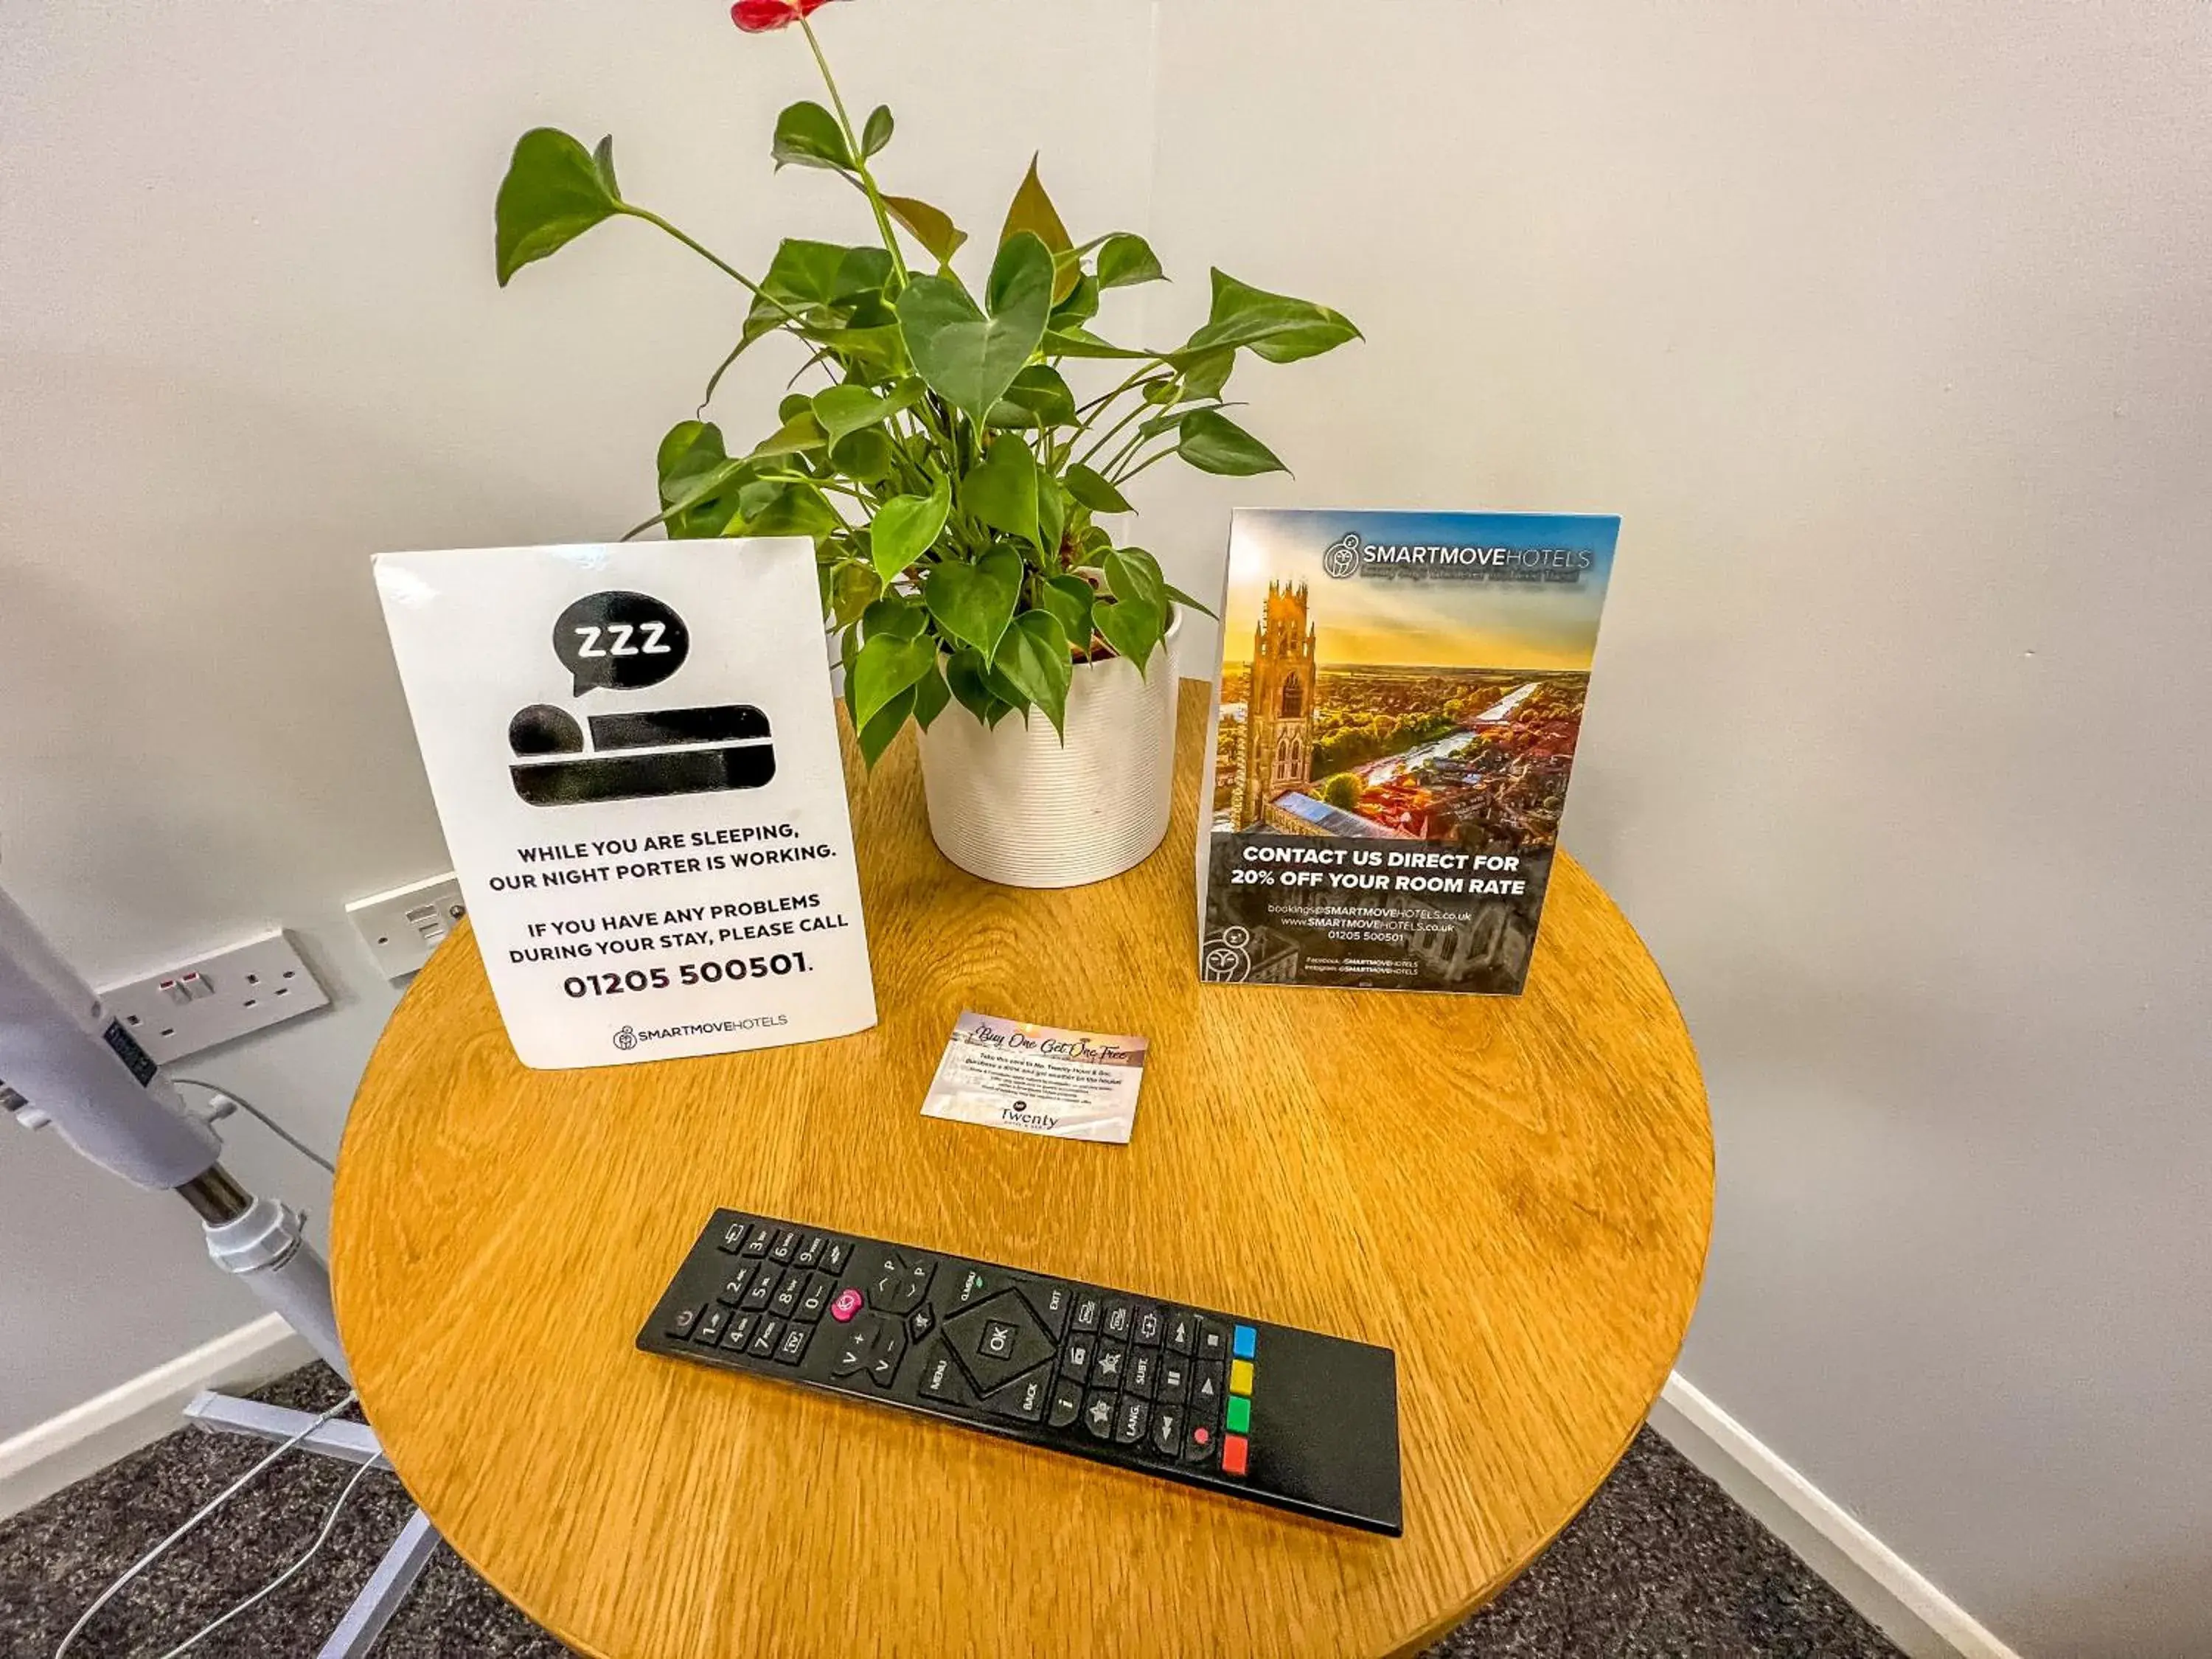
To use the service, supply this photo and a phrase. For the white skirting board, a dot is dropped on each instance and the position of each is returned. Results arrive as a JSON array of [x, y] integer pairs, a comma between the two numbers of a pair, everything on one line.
[[85, 1439], [1869, 1575], [1873, 1577]]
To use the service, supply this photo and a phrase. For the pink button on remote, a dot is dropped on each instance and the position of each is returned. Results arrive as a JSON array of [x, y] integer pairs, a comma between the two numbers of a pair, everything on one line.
[[846, 1304]]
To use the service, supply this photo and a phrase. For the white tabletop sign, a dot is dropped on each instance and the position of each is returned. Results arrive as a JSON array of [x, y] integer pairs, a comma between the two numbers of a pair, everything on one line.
[[633, 752]]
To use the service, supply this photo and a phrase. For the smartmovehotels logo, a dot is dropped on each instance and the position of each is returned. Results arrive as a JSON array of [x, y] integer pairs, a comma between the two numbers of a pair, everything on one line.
[[1349, 555], [629, 1036]]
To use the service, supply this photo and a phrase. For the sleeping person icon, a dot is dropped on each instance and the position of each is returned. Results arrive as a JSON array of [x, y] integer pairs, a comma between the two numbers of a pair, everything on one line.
[[668, 752]]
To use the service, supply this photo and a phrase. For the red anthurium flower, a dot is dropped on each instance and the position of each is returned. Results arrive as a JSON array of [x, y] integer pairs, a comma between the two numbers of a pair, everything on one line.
[[759, 17]]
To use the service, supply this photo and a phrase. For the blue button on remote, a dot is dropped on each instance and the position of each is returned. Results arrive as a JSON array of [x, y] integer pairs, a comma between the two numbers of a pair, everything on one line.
[[1245, 1343]]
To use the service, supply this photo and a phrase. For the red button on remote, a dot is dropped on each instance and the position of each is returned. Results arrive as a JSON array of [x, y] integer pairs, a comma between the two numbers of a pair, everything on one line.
[[846, 1304], [1232, 1453]]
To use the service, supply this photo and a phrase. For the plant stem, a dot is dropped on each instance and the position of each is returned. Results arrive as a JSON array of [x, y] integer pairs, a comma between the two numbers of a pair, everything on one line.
[[1108, 436], [853, 147], [1157, 455], [1098, 405], [1105, 398], [1136, 441], [706, 253]]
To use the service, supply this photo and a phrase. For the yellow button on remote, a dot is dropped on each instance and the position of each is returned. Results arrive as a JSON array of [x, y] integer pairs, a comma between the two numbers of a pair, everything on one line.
[[1240, 1376]]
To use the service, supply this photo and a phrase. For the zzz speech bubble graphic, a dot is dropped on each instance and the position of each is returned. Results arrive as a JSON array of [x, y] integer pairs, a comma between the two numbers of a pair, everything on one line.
[[622, 640]]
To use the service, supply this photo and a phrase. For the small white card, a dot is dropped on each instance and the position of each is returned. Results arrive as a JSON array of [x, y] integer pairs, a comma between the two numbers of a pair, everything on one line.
[[634, 751], [1073, 1085]]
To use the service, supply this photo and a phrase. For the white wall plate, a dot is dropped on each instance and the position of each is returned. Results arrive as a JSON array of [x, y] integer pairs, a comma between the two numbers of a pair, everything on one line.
[[215, 998], [403, 926]]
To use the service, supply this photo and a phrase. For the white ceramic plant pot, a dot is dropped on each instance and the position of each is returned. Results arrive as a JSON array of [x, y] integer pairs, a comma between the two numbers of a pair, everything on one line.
[[1013, 804]]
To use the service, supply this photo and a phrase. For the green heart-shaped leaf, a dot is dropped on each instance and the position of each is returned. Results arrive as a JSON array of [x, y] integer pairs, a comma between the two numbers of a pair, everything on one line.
[[1091, 489], [1052, 513], [1081, 303], [1001, 489], [963, 675], [804, 272], [970, 357], [844, 408], [931, 694], [1205, 375], [871, 353], [1070, 598], [700, 493], [690, 451], [932, 227], [972, 604], [1124, 258], [1034, 658], [774, 507], [1134, 628], [1274, 326], [906, 525], [895, 614], [1039, 396], [877, 131], [876, 736], [863, 270], [867, 455], [1041, 388], [799, 432], [853, 590], [1211, 442], [554, 190], [808, 135], [887, 666], [699, 482], [1132, 574], [1082, 342]]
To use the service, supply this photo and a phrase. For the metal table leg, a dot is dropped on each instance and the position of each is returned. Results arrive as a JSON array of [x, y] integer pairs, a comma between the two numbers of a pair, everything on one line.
[[387, 1588]]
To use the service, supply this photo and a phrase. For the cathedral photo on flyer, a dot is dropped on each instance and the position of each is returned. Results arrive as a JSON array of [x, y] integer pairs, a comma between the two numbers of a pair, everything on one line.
[[1395, 717]]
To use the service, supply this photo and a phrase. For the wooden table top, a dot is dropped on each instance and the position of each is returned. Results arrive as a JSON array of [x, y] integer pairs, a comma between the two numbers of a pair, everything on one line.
[[1514, 1193]]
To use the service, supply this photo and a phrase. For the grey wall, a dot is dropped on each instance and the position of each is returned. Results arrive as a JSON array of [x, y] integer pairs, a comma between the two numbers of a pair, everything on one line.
[[1888, 332]]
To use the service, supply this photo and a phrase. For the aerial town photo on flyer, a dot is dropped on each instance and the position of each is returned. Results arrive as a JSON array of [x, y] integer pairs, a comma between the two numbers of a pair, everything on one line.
[[1395, 722]]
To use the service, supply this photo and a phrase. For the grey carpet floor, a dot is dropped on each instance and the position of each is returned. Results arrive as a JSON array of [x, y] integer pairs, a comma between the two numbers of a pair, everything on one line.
[[1660, 1565]]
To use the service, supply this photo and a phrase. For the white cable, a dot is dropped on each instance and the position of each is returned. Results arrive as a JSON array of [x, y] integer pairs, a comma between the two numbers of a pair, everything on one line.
[[330, 1524], [268, 1122], [211, 1506]]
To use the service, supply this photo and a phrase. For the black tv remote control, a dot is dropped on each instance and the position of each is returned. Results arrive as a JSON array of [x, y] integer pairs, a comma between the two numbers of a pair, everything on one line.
[[1264, 1411]]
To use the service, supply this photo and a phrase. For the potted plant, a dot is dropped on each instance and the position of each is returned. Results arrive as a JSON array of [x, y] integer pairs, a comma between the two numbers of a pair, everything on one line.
[[953, 467]]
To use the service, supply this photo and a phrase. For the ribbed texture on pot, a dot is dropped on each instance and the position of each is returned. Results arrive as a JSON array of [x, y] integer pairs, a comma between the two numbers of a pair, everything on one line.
[[1014, 805]]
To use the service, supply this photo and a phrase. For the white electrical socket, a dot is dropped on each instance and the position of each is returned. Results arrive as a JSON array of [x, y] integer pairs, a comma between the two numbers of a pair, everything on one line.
[[403, 926], [215, 998]]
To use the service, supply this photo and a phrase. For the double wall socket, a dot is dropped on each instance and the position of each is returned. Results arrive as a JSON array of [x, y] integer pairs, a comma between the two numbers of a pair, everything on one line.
[[198, 1004], [403, 926]]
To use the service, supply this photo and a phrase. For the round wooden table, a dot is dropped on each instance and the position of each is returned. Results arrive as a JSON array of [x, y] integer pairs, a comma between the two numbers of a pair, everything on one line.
[[1515, 1194]]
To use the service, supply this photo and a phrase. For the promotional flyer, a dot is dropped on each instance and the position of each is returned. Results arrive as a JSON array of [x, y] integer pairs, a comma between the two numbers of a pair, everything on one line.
[[1394, 722], [1039, 1080], [633, 752]]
